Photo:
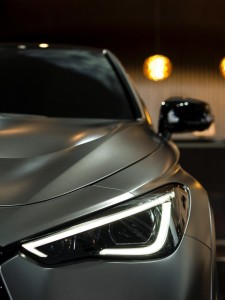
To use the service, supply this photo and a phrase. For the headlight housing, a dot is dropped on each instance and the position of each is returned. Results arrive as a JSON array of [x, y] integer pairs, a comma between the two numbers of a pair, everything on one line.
[[148, 226]]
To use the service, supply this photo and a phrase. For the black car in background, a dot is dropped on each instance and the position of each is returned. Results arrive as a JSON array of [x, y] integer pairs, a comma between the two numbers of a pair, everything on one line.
[[93, 201]]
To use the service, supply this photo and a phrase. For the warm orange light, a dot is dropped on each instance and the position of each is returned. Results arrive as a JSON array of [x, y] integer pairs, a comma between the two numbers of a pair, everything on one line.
[[157, 67], [222, 67]]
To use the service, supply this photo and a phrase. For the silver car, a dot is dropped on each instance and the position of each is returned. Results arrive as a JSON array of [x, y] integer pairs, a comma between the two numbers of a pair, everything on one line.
[[93, 201]]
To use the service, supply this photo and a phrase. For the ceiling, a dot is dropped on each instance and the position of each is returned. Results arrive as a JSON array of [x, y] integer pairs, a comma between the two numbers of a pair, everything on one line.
[[135, 25]]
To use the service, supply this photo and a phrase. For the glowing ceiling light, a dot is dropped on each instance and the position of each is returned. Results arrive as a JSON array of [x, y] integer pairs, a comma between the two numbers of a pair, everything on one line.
[[43, 45], [222, 67], [157, 67]]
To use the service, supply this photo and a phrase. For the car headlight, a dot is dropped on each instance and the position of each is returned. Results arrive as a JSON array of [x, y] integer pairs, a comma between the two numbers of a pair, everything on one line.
[[148, 226]]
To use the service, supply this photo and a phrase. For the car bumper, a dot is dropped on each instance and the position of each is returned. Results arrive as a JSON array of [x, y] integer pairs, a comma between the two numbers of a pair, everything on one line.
[[186, 274]]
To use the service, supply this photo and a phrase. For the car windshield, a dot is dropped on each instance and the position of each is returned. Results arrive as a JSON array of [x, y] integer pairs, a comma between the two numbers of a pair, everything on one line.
[[61, 83]]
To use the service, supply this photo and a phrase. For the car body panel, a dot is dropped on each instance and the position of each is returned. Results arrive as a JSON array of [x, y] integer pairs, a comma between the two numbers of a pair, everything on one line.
[[28, 220], [53, 157], [156, 170], [176, 277]]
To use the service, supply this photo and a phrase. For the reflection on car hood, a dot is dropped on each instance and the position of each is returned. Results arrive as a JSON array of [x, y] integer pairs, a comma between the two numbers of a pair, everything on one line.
[[42, 158]]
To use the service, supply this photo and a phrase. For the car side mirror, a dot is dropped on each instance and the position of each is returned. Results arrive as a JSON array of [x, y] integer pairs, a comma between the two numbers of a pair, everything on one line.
[[179, 114]]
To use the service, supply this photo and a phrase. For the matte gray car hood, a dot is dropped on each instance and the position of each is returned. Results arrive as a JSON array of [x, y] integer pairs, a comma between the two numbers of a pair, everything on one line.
[[42, 158]]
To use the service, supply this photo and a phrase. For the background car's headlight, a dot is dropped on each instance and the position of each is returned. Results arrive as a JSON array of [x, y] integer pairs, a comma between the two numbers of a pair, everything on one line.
[[148, 226]]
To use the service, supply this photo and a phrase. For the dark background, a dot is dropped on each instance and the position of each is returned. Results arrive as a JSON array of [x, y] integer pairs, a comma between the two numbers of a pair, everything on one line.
[[179, 28], [191, 33]]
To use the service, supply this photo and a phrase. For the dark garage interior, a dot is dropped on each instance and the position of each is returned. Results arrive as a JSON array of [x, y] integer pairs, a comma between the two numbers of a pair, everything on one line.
[[190, 33]]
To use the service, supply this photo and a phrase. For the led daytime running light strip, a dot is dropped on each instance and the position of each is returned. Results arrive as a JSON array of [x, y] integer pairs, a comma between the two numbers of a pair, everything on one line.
[[32, 246]]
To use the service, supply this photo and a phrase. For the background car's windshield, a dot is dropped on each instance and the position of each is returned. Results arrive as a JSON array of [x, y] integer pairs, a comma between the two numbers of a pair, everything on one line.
[[60, 83]]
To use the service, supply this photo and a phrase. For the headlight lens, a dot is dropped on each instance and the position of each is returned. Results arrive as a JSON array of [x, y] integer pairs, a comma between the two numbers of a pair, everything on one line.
[[148, 226]]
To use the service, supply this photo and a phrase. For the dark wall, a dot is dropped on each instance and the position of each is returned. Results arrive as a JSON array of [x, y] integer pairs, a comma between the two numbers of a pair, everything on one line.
[[206, 162]]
